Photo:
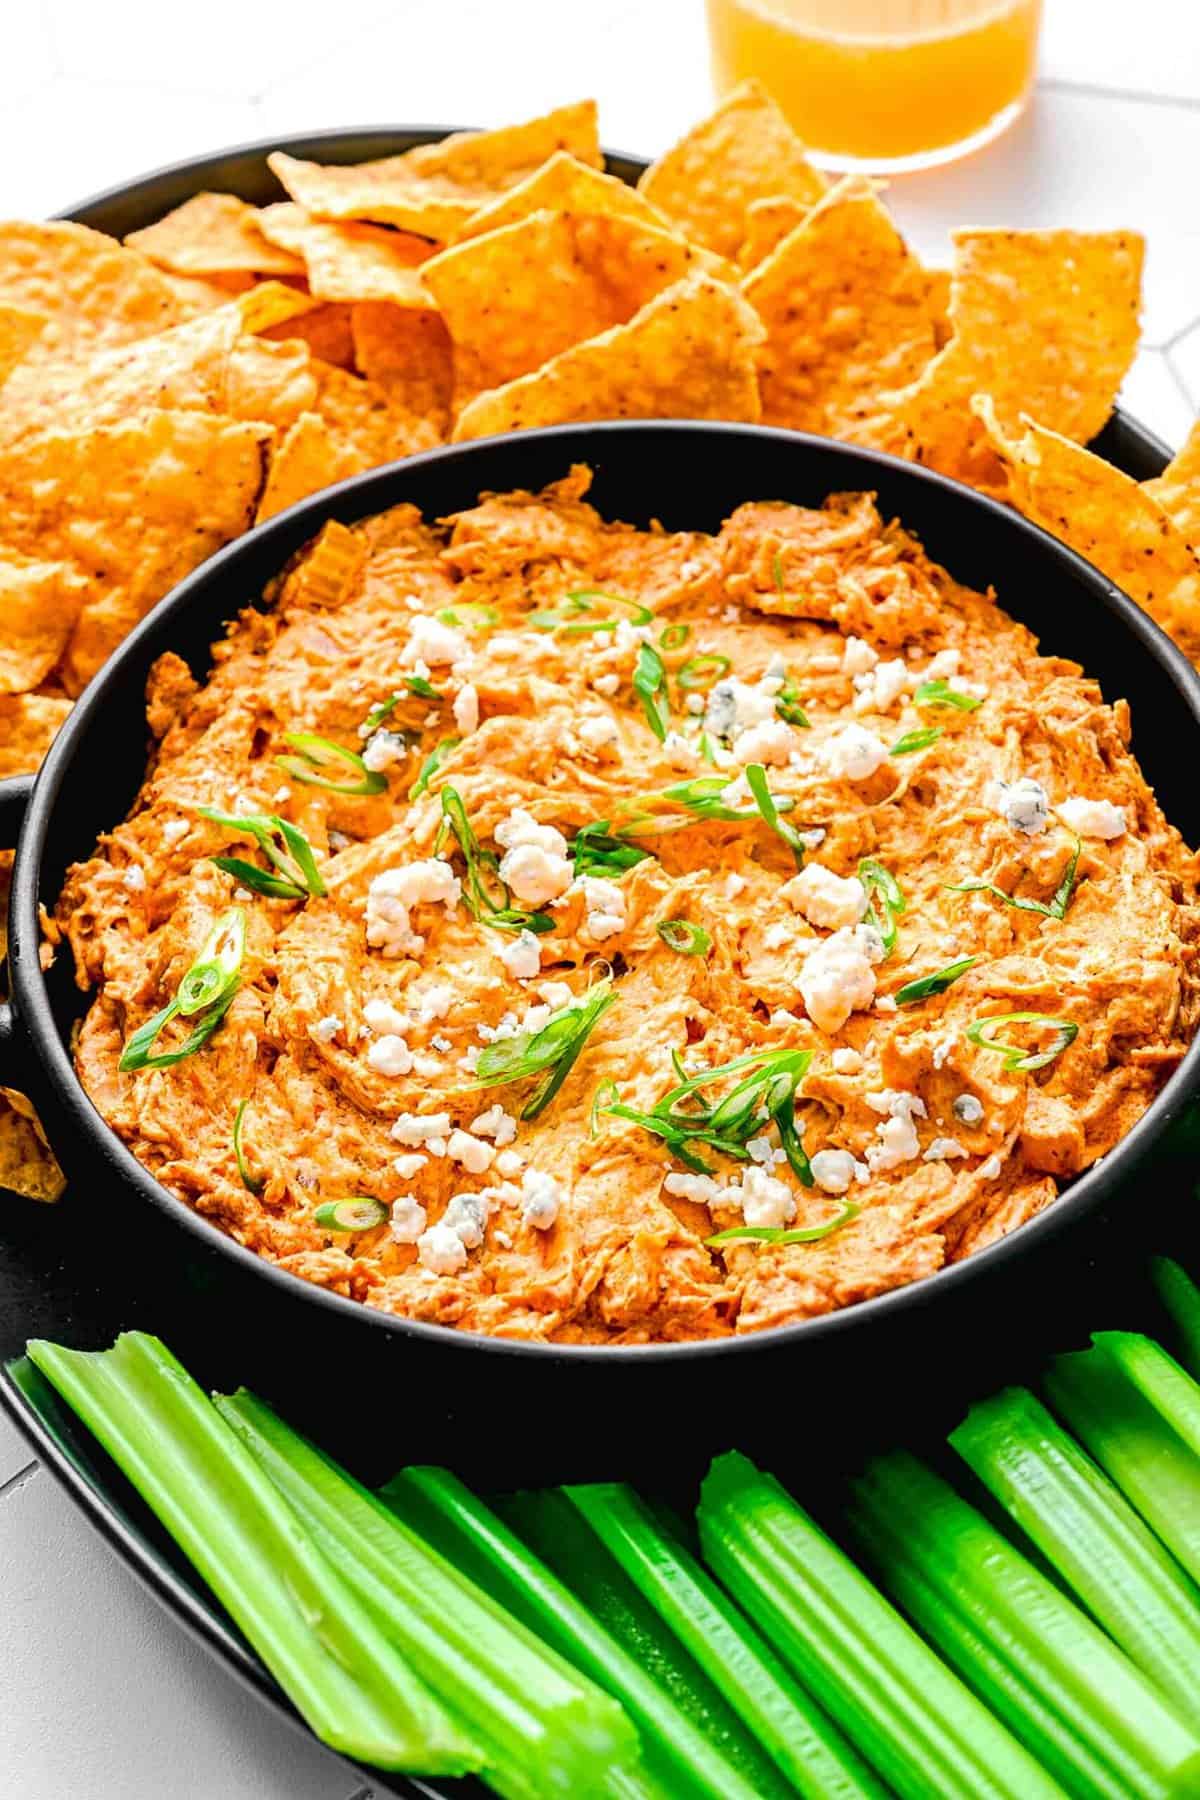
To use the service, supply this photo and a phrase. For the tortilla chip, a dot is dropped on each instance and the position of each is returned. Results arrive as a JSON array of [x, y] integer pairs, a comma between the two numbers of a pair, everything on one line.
[[1045, 322], [199, 293], [308, 458], [938, 302], [409, 355], [134, 507], [1177, 489], [367, 423], [689, 354], [27, 1165], [92, 292], [434, 189], [214, 234], [39, 604], [564, 184], [518, 296], [20, 329], [352, 261], [28, 723], [845, 304], [326, 330], [1106, 516], [745, 151], [767, 224], [209, 364]]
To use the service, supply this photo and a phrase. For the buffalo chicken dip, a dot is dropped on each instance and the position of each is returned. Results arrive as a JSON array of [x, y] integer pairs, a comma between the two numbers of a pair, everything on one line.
[[562, 930]]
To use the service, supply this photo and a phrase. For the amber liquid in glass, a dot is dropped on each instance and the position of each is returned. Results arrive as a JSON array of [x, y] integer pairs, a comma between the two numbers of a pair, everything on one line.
[[882, 84]]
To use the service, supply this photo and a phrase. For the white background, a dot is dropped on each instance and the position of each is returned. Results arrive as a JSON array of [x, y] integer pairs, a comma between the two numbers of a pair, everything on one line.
[[103, 1698]]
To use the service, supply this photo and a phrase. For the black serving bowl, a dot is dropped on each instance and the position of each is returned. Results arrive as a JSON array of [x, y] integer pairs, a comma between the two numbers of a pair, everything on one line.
[[464, 1395]]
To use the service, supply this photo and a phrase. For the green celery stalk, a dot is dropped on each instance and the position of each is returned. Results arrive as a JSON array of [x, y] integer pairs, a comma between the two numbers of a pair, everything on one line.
[[1129, 1438], [923, 1730], [544, 1730], [692, 1744], [318, 1641], [1056, 1652], [1091, 1535], [1181, 1297], [810, 1751], [1002, 1688], [1169, 1388]]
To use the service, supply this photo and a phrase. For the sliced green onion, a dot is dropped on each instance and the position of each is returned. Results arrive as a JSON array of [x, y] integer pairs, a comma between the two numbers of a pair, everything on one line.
[[702, 671], [558, 1580], [1091, 1535], [469, 615], [1057, 908], [483, 872], [927, 985], [772, 1705], [777, 572], [253, 1182], [1181, 1298], [543, 1728], [923, 1731], [674, 637], [606, 1092], [359, 1214], [417, 687], [556, 1048], [940, 693], [1122, 1428], [756, 781], [1105, 1713], [297, 873], [778, 1234], [317, 753], [765, 1095], [579, 600], [353, 1686], [596, 850], [431, 765], [207, 988], [885, 900], [682, 935], [916, 740], [1065, 1032], [787, 705], [650, 685], [706, 749]]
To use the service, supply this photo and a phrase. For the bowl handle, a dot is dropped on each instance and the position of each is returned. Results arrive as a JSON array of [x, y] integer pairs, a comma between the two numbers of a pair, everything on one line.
[[15, 795]]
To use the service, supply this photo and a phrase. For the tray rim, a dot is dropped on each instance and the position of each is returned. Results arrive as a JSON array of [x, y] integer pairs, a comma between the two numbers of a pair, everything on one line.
[[167, 185]]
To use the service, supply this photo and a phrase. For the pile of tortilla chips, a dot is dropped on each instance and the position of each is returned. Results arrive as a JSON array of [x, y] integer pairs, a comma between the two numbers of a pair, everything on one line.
[[159, 397]]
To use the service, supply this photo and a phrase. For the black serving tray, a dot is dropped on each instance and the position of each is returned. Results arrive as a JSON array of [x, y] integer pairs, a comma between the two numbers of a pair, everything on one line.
[[62, 1277]]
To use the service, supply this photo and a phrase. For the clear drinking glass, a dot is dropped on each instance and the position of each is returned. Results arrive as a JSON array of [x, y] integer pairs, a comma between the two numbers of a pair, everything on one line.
[[883, 85]]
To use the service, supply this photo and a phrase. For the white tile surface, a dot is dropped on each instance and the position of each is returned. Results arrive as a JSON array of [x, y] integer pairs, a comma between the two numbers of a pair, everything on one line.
[[1142, 49], [106, 1700], [103, 1697]]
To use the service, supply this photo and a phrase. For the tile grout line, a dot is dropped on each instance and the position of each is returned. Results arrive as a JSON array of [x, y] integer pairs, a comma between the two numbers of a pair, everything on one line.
[[18, 1481], [1096, 91]]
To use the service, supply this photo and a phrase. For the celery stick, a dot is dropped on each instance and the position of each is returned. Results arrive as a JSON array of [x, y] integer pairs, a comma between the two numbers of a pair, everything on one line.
[[1049, 1643], [691, 1743], [809, 1750], [1147, 1459], [923, 1730], [1001, 1687], [545, 1730], [1091, 1535], [321, 1645], [1181, 1297], [1169, 1388]]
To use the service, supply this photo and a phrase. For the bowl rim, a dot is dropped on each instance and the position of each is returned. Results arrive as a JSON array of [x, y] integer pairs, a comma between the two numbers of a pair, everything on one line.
[[356, 498]]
